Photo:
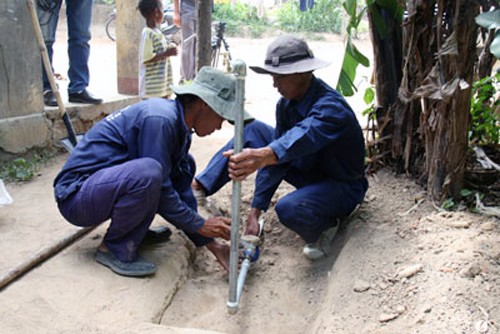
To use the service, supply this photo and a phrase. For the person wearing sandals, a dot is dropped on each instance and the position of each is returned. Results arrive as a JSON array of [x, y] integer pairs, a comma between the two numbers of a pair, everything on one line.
[[317, 147], [135, 164]]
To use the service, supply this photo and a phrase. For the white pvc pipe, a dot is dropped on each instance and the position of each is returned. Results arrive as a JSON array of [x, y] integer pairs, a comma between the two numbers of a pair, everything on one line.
[[241, 278]]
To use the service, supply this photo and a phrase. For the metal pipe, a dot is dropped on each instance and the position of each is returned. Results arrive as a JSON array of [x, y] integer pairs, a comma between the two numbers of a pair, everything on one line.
[[251, 252], [239, 71]]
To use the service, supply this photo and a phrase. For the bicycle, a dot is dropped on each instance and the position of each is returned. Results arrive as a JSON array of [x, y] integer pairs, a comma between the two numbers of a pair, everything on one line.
[[167, 26], [110, 25]]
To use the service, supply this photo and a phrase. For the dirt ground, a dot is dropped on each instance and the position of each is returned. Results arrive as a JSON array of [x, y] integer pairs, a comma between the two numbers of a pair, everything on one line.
[[400, 266]]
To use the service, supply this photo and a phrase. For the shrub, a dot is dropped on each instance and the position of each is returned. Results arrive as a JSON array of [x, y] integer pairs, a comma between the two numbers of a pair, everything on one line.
[[239, 16], [325, 16], [484, 127]]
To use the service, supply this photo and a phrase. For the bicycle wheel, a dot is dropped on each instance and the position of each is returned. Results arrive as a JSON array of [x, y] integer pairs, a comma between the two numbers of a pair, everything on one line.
[[110, 27]]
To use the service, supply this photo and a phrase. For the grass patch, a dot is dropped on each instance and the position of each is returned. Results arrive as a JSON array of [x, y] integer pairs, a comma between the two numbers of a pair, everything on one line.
[[25, 168]]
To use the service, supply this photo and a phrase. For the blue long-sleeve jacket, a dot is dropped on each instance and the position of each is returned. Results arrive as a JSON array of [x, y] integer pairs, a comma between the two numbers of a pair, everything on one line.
[[153, 128], [319, 136]]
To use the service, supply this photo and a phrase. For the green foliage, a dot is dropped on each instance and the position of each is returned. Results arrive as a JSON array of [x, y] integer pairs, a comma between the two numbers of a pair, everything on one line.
[[369, 98], [491, 21], [325, 16], [485, 124], [352, 56], [467, 200], [239, 16], [381, 8], [448, 204], [18, 169], [107, 2], [25, 168]]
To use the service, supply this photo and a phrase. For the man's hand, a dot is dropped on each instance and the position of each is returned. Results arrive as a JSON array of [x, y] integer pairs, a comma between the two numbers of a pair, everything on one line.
[[216, 227], [252, 227], [248, 161]]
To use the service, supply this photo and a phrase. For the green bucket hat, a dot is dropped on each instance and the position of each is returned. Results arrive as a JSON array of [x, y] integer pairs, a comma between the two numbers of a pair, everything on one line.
[[216, 89]]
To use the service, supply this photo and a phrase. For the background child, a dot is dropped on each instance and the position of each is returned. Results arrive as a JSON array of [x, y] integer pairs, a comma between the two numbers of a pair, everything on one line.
[[155, 69]]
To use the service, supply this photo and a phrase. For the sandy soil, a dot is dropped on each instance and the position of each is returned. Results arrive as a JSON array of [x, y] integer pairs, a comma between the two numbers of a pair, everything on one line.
[[400, 266]]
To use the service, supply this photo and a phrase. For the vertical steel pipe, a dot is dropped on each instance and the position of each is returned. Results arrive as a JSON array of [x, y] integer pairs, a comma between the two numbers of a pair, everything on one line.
[[239, 71]]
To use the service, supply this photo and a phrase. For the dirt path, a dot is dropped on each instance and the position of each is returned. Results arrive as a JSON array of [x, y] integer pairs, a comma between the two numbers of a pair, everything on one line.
[[400, 267]]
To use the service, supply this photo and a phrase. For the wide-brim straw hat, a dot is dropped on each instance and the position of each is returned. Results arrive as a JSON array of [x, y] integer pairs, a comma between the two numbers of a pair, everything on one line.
[[215, 88], [289, 54]]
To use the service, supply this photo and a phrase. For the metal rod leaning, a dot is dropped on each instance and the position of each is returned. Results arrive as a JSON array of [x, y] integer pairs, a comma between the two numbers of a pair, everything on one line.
[[239, 71]]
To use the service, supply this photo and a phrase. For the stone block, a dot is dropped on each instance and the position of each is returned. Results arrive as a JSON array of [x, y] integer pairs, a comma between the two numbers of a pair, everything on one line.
[[20, 134]]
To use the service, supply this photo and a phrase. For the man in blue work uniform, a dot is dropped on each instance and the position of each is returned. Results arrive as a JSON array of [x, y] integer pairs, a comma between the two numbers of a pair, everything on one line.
[[317, 146], [135, 163]]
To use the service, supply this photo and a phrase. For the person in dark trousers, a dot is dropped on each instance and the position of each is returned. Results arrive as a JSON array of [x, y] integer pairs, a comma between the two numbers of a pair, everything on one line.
[[317, 146], [79, 18], [185, 18], [135, 164]]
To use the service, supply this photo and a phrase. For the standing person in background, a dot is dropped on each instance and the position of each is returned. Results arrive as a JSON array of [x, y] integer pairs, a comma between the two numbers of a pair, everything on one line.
[[155, 68], [185, 18], [79, 17]]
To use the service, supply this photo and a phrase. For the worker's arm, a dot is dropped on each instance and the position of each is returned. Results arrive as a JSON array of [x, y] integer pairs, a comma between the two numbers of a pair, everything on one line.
[[216, 227], [248, 161]]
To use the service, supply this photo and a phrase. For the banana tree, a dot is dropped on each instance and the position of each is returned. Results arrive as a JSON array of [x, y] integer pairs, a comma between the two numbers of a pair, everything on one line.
[[424, 54]]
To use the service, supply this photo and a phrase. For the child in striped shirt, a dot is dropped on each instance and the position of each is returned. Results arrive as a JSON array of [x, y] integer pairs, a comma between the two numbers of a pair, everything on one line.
[[155, 68]]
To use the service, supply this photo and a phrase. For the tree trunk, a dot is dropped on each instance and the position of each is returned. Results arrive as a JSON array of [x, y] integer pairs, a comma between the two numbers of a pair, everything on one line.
[[203, 33], [387, 66], [431, 117]]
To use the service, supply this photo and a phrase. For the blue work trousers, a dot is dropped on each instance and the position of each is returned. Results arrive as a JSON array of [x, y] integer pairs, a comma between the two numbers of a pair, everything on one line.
[[309, 210], [130, 194], [79, 19]]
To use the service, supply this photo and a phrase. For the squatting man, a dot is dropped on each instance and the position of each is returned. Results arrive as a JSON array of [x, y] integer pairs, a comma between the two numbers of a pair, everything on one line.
[[317, 147], [135, 164]]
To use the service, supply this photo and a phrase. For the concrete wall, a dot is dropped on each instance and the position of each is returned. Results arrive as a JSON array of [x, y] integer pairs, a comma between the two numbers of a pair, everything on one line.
[[22, 123], [129, 24]]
